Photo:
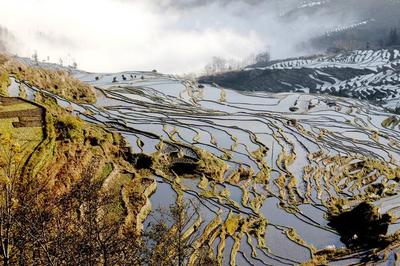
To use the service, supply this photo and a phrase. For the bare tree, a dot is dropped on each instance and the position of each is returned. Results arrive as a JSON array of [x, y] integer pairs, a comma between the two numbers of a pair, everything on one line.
[[169, 239], [35, 57]]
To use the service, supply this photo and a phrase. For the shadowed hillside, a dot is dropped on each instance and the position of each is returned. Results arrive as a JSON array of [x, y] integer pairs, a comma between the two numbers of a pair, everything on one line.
[[362, 74]]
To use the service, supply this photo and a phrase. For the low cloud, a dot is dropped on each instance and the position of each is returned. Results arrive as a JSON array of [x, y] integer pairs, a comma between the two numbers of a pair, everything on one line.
[[168, 35]]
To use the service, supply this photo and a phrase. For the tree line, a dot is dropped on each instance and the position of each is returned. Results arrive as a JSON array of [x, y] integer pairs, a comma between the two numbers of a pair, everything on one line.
[[220, 65]]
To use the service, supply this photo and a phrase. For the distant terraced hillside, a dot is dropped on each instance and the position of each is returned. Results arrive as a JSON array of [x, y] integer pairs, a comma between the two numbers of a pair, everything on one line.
[[372, 75]]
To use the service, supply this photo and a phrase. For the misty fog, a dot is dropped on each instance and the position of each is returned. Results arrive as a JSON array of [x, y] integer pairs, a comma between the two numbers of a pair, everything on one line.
[[170, 36]]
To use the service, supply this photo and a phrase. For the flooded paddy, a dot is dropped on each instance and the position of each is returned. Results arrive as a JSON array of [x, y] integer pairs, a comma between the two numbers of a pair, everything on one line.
[[280, 162]]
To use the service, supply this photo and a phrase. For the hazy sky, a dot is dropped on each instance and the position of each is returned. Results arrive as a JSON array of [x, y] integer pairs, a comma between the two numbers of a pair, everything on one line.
[[172, 36]]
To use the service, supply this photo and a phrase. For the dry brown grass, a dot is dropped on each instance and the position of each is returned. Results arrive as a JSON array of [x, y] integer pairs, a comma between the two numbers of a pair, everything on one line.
[[55, 81]]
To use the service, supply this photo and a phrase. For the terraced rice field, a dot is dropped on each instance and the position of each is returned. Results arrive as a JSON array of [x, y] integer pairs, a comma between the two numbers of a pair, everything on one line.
[[360, 74], [266, 169]]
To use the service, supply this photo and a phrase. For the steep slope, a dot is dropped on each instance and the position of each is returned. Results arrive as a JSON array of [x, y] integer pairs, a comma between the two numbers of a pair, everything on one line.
[[66, 185]]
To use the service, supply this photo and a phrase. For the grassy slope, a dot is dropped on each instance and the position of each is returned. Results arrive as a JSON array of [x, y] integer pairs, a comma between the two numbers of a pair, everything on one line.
[[55, 81], [68, 159]]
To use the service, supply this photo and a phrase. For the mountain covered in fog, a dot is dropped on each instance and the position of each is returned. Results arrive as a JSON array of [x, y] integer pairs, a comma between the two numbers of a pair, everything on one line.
[[178, 32], [357, 58], [293, 161]]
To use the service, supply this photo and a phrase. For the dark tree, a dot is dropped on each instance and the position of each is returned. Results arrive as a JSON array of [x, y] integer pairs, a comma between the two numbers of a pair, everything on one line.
[[263, 57]]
